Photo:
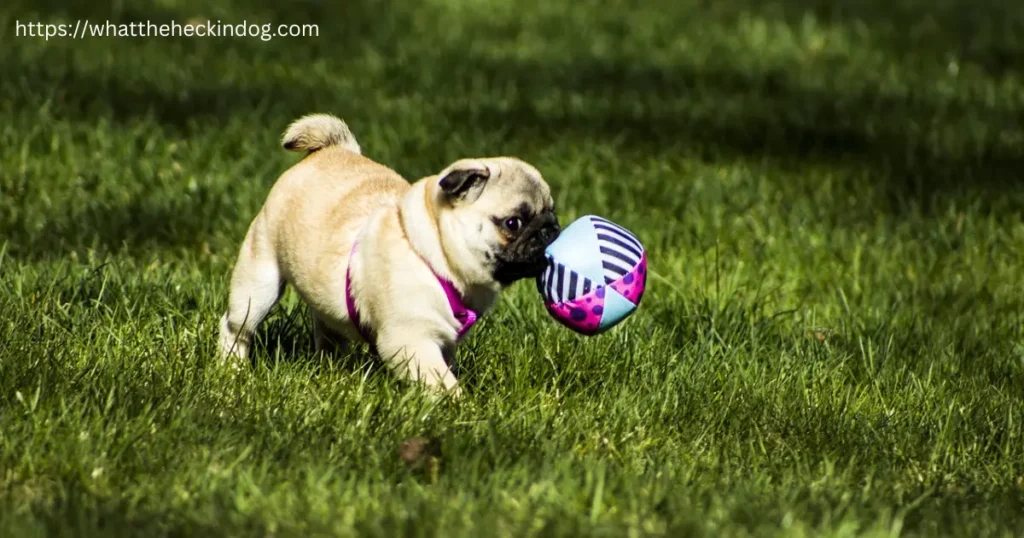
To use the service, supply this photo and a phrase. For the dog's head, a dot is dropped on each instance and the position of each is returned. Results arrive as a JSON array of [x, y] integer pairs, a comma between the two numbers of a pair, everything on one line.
[[495, 217]]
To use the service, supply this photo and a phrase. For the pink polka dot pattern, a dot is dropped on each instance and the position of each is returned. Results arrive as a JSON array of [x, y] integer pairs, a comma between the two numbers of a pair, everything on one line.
[[583, 314], [631, 286]]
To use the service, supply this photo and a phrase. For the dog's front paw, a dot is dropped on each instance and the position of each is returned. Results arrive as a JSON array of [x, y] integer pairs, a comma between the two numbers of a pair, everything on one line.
[[422, 363], [440, 393]]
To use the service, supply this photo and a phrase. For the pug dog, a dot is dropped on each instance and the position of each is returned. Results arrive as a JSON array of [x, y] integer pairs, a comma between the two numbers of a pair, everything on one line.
[[406, 267]]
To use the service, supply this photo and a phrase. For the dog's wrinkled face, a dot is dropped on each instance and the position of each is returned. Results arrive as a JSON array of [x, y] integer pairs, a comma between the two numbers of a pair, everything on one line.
[[496, 217]]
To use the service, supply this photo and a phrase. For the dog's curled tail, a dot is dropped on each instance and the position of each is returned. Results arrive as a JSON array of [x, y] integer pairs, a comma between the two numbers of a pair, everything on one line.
[[318, 131]]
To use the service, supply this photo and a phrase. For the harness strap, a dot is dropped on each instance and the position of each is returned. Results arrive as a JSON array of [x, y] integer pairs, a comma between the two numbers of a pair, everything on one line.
[[466, 316]]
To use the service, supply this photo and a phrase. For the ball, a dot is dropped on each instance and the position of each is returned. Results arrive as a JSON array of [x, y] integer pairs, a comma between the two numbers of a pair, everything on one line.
[[596, 275]]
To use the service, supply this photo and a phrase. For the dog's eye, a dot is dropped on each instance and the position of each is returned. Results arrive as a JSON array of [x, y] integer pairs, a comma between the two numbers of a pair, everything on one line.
[[513, 224]]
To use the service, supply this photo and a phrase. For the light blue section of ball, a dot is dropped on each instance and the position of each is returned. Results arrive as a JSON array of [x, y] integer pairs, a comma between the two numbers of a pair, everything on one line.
[[616, 307], [577, 248]]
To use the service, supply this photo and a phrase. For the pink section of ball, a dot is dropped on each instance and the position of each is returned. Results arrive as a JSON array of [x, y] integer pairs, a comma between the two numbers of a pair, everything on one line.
[[632, 284], [583, 314]]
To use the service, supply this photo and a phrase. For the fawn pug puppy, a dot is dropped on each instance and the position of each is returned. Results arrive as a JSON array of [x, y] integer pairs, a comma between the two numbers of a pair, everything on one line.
[[408, 268]]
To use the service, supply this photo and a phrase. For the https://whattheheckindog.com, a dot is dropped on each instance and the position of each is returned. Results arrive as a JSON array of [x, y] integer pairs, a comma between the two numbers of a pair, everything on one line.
[[194, 28]]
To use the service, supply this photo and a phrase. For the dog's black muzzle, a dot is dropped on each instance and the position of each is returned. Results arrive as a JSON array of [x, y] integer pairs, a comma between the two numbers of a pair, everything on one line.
[[524, 257]]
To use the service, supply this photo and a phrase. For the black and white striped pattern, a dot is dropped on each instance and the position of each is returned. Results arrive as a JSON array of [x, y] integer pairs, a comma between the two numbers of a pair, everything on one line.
[[560, 284], [621, 250]]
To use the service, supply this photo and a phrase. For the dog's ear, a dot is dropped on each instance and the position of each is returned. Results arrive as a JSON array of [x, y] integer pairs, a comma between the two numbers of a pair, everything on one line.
[[463, 181]]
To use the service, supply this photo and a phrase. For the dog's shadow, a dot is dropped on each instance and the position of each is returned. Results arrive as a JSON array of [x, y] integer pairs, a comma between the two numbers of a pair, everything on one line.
[[286, 336]]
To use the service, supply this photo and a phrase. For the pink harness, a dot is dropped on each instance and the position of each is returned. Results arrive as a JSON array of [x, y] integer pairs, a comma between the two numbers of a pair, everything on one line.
[[466, 316]]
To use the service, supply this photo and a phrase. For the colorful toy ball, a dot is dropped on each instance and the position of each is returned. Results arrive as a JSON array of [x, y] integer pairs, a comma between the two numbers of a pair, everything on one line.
[[596, 275]]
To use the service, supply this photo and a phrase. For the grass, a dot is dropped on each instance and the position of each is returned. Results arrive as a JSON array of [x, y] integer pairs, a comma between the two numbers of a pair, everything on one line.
[[830, 344]]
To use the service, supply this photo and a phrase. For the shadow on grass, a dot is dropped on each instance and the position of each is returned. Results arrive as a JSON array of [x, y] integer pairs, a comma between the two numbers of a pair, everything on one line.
[[287, 336], [786, 123], [140, 227], [715, 112], [986, 34], [179, 103]]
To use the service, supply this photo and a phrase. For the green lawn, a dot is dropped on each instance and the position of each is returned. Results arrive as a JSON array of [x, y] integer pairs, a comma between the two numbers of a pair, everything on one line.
[[831, 343]]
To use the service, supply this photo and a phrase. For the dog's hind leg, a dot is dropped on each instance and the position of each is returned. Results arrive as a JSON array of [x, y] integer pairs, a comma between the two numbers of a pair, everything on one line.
[[256, 286]]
